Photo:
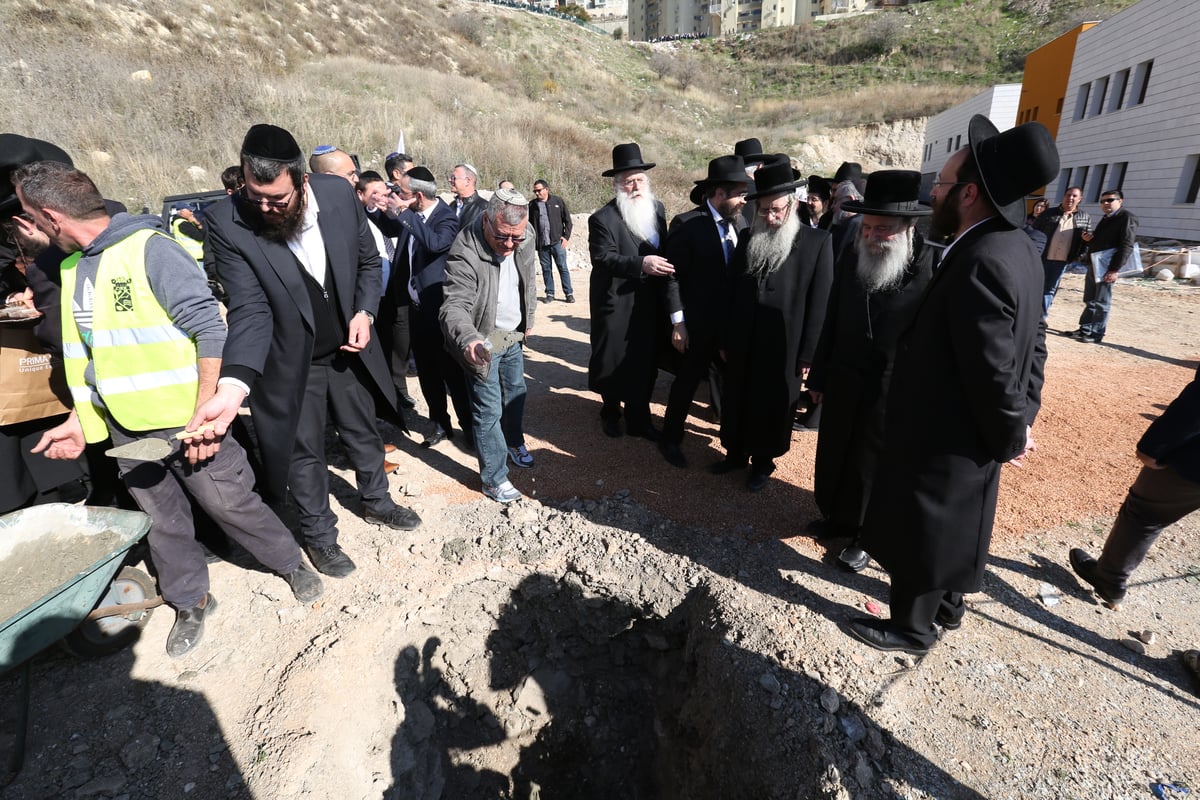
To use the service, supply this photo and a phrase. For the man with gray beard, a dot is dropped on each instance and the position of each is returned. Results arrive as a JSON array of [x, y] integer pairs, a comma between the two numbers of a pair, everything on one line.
[[875, 293], [782, 273], [627, 287]]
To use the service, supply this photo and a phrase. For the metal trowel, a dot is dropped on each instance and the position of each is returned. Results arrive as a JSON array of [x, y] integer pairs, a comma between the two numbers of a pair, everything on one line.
[[151, 449]]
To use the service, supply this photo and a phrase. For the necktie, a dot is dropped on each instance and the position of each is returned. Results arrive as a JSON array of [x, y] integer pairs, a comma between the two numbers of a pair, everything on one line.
[[458, 207], [727, 241]]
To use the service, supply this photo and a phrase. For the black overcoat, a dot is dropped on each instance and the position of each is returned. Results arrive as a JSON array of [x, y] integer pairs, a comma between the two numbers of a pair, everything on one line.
[[852, 367], [625, 305], [270, 317], [957, 410], [770, 332]]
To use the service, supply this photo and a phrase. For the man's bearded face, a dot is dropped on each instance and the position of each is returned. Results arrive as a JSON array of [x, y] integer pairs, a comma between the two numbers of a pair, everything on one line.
[[885, 248], [635, 203], [772, 236], [261, 207]]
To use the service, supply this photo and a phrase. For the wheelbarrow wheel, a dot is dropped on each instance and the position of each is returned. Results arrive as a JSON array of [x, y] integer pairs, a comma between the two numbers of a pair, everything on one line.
[[108, 635]]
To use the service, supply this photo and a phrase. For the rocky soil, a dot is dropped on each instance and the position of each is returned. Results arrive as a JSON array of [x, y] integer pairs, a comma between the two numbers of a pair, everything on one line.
[[630, 630]]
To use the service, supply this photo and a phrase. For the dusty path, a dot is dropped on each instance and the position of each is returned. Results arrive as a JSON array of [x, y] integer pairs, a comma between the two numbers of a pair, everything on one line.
[[527, 645]]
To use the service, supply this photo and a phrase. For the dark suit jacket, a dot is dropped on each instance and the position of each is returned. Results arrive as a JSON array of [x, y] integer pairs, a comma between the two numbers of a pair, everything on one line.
[[1174, 438], [431, 242], [957, 409], [472, 208], [702, 280], [558, 215], [271, 326], [1117, 231]]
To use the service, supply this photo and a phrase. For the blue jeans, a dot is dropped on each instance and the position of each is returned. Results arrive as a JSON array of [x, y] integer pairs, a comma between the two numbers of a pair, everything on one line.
[[1097, 302], [1053, 274], [498, 412], [559, 253]]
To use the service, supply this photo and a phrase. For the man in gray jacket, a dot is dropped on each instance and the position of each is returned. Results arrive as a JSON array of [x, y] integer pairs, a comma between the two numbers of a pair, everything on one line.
[[490, 296]]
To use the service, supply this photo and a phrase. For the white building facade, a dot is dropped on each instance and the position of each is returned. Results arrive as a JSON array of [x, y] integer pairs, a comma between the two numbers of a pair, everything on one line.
[[947, 132], [1131, 120]]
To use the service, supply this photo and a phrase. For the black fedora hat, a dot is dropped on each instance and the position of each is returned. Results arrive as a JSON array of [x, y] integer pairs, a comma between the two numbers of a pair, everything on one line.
[[775, 177], [723, 169], [820, 186], [15, 152], [750, 150], [626, 157], [891, 193], [848, 171], [1012, 164]]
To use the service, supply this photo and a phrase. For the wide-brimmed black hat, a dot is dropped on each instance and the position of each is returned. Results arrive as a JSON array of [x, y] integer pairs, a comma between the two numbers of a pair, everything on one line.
[[891, 193], [271, 142], [750, 150], [626, 157], [848, 171], [820, 186], [775, 177], [723, 169], [1012, 164], [15, 152]]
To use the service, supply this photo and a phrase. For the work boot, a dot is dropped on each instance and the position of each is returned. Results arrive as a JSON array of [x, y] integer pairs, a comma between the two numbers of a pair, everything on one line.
[[188, 629], [306, 584], [1088, 568]]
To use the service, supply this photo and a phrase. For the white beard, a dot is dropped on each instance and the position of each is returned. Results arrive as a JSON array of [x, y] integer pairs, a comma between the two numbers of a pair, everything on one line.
[[768, 248], [640, 215], [884, 272]]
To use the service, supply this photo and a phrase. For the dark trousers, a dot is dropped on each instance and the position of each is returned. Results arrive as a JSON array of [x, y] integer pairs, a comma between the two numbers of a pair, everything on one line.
[[698, 363], [1097, 302], [395, 337], [336, 389], [1053, 272], [222, 488], [437, 371], [914, 610], [1158, 498]]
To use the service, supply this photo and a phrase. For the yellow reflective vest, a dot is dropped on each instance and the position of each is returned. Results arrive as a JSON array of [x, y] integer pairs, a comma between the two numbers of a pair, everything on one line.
[[195, 249], [145, 366]]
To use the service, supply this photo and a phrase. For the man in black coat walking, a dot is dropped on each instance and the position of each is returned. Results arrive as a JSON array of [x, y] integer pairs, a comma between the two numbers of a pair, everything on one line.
[[876, 290], [1116, 231], [959, 401]]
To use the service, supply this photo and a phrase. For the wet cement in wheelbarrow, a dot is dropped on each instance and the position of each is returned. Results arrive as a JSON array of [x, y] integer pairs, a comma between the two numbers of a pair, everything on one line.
[[35, 568]]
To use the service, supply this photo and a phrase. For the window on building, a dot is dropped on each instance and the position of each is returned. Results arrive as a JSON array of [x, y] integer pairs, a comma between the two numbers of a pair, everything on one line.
[[1190, 182], [1099, 172], [958, 142], [1036, 109], [1099, 90], [1141, 83], [1080, 178], [1081, 101], [1064, 180], [1120, 82], [1116, 176], [1058, 108], [949, 145]]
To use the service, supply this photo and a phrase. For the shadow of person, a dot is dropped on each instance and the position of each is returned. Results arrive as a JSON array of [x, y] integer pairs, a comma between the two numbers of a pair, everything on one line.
[[96, 730], [438, 724]]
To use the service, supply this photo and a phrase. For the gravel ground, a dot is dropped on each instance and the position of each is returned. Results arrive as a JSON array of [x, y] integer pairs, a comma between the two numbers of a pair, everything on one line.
[[632, 631]]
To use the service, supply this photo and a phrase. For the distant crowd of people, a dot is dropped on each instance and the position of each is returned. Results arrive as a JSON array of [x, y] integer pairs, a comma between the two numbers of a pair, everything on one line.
[[911, 336]]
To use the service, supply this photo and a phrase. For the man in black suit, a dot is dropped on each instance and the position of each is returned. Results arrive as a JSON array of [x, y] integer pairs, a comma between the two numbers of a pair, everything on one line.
[[782, 272], [426, 227], [960, 400], [626, 289], [1116, 231], [701, 248], [302, 272], [551, 223]]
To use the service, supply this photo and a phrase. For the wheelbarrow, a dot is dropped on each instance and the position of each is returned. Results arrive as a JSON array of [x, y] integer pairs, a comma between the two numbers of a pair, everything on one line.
[[58, 563]]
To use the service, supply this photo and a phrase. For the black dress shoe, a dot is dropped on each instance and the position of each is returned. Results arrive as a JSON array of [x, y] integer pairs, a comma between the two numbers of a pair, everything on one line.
[[647, 431], [1088, 568], [727, 466], [188, 629], [611, 427], [853, 559], [331, 561], [399, 518], [306, 584], [672, 454], [824, 528], [438, 436], [758, 481], [879, 635], [948, 622]]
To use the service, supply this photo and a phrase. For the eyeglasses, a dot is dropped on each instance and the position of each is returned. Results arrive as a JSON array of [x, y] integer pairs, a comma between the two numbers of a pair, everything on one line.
[[264, 202], [512, 238], [771, 211], [1109, 199]]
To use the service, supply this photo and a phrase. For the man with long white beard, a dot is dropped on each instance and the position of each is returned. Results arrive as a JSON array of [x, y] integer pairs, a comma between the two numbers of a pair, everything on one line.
[[627, 286], [783, 271], [875, 293]]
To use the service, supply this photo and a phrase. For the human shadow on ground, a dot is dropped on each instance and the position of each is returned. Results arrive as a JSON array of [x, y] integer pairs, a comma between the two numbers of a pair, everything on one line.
[[1119, 658], [95, 730], [595, 698], [1149, 356]]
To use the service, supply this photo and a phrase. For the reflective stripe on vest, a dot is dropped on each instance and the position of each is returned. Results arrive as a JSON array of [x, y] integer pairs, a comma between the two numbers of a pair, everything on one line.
[[145, 367], [195, 249]]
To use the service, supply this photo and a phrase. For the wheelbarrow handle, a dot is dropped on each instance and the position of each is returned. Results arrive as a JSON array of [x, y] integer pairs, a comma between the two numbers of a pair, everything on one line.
[[124, 608]]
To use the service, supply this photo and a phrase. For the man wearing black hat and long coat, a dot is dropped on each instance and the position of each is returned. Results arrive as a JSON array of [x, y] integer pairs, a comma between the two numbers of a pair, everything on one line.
[[876, 289], [769, 336], [625, 241], [962, 392], [701, 248], [303, 293]]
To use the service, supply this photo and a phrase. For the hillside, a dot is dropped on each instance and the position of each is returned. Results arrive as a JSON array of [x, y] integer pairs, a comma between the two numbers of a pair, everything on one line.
[[141, 92]]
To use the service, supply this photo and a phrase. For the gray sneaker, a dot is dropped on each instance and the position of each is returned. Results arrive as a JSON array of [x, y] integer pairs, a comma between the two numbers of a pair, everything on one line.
[[504, 493]]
